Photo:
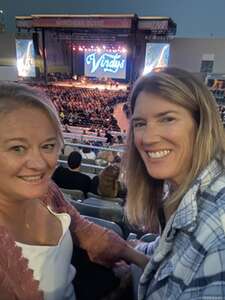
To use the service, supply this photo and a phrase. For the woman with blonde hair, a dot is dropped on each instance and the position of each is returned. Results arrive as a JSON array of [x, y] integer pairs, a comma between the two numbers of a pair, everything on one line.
[[175, 175], [37, 226]]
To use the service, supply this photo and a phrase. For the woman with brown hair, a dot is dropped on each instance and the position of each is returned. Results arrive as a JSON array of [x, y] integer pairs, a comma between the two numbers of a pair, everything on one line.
[[175, 174]]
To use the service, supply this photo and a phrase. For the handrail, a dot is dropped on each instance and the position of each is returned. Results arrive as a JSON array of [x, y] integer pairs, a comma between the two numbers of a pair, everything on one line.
[[95, 147], [84, 165]]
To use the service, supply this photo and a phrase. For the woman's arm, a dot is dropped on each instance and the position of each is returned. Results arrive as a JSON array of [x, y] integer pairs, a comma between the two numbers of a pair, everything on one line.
[[131, 255], [103, 245]]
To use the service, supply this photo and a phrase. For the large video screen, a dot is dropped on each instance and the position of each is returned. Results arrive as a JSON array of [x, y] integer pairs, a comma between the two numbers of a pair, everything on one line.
[[25, 57], [156, 56], [105, 64]]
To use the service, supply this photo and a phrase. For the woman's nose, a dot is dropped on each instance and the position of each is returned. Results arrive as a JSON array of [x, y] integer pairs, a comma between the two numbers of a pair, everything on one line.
[[36, 161], [151, 133]]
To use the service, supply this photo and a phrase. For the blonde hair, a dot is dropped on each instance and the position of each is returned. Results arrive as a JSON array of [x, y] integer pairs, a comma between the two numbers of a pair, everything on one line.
[[184, 89], [15, 96]]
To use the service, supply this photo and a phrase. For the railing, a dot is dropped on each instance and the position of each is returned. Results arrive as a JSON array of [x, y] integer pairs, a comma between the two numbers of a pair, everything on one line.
[[95, 147], [87, 167], [83, 164]]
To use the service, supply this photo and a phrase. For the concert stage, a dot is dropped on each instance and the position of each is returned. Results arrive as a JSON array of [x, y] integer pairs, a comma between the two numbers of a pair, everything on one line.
[[92, 85]]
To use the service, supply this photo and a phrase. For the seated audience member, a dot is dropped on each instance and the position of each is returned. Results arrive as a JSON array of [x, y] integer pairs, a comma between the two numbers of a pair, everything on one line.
[[119, 139], [106, 184], [88, 153], [69, 148], [109, 137], [107, 156], [66, 128], [38, 228], [71, 177]]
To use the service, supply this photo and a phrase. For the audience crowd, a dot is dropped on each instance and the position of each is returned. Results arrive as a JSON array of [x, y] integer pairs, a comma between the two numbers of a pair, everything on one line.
[[93, 109], [86, 107], [222, 113]]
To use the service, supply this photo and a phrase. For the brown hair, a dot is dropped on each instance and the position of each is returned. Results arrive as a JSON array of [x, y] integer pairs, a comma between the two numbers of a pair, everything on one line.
[[108, 181], [182, 88]]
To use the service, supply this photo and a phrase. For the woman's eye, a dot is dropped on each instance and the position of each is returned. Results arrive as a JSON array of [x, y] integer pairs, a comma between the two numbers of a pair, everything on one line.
[[138, 124], [18, 149], [49, 147], [167, 119]]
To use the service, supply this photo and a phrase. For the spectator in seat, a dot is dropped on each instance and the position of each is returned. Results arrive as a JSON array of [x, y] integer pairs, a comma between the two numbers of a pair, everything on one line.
[[71, 177], [107, 183], [88, 153], [66, 128], [109, 137], [105, 156], [69, 148]]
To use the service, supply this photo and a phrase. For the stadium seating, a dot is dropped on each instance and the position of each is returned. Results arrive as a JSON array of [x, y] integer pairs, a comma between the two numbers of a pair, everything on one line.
[[109, 199], [75, 194], [114, 214]]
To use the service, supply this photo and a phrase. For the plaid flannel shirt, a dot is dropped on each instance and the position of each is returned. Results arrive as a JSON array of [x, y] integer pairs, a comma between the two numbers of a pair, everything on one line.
[[188, 260]]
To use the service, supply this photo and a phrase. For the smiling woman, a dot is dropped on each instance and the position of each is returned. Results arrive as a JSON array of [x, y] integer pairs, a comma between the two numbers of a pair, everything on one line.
[[28, 154], [164, 135], [36, 224], [176, 154]]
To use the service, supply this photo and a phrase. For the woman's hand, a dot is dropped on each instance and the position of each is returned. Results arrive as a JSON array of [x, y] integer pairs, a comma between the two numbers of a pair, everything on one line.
[[131, 255]]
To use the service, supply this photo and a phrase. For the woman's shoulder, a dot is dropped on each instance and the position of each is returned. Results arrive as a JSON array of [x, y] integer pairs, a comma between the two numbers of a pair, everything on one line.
[[54, 196], [210, 228], [16, 277]]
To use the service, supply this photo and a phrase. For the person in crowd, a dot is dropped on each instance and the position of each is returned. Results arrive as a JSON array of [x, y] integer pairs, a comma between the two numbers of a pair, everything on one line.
[[71, 177], [105, 156], [119, 139], [119, 144], [109, 137], [106, 183], [37, 226], [69, 148], [175, 174], [88, 153], [66, 128]]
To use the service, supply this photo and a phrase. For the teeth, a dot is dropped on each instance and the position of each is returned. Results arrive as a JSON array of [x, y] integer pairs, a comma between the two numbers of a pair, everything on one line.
[[31, 178], [158, 154]]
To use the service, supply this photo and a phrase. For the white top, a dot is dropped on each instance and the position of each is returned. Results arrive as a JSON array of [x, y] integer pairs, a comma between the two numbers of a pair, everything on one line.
[[51, 264], [89, 155]]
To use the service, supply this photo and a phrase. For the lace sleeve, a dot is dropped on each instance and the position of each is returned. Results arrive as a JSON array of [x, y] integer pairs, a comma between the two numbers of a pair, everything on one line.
[[103, 245], [16, 280]]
